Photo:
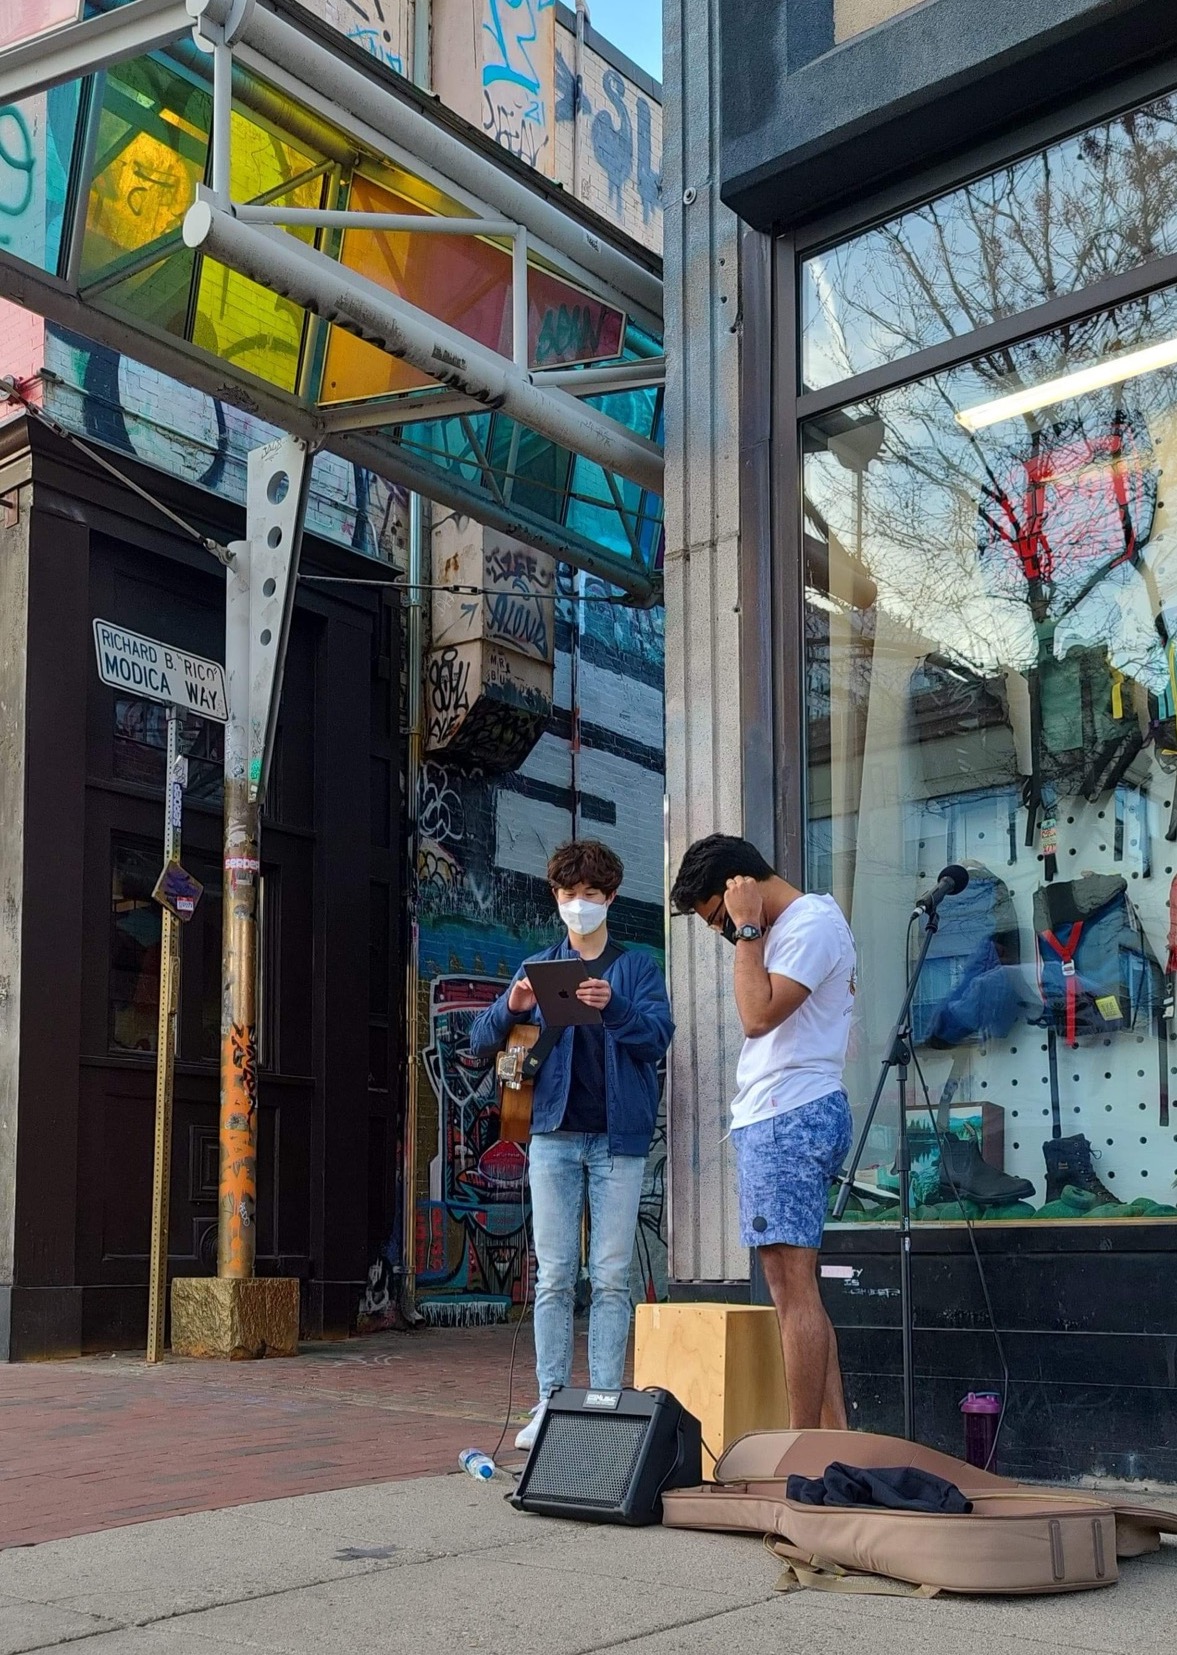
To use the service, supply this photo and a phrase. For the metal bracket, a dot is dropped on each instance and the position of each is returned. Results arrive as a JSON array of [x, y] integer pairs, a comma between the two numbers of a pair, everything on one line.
[[276, 492], [219, 22]]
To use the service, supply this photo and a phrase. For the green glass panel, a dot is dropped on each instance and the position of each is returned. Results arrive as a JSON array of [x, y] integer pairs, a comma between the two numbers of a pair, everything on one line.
[[157, 297], [532, 470]]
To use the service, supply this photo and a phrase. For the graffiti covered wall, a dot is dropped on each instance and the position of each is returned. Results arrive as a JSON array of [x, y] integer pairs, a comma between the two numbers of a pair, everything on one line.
[[384, 28], [609, 132], [119, 402], [511, 68], [484, 905]]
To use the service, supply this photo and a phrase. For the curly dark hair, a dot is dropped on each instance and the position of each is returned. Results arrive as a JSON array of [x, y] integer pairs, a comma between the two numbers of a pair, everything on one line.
[[709, 864], [586, 862]]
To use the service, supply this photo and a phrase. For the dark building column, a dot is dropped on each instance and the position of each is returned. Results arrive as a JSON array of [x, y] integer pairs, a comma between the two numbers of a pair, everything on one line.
[[45, 654], [339, 1221]]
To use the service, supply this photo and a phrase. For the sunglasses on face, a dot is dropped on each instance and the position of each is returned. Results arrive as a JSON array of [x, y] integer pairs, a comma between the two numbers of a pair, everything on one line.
[[725, 928]]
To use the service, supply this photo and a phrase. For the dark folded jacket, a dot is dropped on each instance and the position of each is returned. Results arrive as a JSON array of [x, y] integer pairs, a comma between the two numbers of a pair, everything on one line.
[[897, 1488]]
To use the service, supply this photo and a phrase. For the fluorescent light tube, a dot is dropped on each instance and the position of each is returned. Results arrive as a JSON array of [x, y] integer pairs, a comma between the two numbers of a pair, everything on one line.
[[1112, 372]]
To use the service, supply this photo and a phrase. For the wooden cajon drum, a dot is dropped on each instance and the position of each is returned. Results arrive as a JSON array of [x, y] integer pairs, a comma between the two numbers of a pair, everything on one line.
[[723, 1363]]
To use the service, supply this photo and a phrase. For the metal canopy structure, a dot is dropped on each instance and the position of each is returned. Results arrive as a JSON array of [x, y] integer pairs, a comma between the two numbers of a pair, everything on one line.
[[288, 226]]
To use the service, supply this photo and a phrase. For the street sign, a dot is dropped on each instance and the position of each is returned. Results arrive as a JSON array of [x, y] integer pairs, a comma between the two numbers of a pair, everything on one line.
[[160, 672]]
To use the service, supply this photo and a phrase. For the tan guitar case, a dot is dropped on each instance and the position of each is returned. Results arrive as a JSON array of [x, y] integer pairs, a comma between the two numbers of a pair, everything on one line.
[[1017, 1539]]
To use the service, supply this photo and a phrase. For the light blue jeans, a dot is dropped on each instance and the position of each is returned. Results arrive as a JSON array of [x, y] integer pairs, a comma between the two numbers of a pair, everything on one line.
[[562, 1165]]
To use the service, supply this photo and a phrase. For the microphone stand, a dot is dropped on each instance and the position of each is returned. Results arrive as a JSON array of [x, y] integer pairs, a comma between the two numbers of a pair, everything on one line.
[[898, 1058]]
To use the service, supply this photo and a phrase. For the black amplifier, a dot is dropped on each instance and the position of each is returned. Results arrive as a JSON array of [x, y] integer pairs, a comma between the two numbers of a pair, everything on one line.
[[608, 1456]]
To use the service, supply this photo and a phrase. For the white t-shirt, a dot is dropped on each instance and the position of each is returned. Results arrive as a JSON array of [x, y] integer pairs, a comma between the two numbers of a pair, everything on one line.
[[802, 1059]]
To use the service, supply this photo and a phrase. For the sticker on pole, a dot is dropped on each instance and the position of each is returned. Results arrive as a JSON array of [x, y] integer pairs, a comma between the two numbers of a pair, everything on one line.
[[177, 890], [160, 672]]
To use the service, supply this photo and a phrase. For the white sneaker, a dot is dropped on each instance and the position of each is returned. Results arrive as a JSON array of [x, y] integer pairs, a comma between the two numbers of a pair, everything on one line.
[[526, 1438]]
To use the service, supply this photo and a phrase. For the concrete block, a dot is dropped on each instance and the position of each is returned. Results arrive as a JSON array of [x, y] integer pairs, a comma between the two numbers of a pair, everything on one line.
[[235, 1320]]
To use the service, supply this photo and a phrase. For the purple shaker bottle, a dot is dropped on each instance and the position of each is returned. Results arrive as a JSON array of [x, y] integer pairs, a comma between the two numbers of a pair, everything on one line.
[[981, 1411]]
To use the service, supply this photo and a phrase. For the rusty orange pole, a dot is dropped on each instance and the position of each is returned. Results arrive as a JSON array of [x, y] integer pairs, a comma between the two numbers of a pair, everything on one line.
[[236, 1233]]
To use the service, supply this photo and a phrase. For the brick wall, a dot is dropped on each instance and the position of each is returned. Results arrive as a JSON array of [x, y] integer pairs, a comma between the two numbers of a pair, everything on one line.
[[22, 341]]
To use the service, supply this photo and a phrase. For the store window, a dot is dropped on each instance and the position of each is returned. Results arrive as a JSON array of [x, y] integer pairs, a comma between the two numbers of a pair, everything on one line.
[[141, 741], [990, 568], [136, 929], [1092, 206]]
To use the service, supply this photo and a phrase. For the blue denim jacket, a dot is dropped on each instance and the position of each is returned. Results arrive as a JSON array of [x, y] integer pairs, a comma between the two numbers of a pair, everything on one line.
[[638, 1032]]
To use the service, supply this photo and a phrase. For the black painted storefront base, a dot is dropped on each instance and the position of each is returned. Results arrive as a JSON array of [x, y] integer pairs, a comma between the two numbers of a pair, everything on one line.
[[1091, 1395]]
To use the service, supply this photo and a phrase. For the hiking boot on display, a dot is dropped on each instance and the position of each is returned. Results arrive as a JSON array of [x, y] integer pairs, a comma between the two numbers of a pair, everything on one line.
[[1070, 1161], [966, 1176]]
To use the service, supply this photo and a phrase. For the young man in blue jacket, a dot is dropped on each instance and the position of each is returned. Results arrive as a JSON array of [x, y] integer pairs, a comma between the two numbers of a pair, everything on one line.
[[593, 1115]]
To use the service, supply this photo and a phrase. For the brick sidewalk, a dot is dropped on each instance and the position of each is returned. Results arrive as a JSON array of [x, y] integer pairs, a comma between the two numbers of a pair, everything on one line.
[[101, 1442]]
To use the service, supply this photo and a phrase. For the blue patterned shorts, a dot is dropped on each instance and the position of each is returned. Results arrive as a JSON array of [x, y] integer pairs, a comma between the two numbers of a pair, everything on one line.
[[786, 1166]]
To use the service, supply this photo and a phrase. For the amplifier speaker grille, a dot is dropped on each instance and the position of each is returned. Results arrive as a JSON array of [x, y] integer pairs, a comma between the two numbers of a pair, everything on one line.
[[594, 1454]]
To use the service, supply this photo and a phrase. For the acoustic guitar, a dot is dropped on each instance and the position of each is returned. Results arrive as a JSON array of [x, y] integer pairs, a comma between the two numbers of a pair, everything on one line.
[[516, 1090], [528, 1046]]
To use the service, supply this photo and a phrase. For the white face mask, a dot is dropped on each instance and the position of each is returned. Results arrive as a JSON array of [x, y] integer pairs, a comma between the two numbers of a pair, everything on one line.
[[583, 917]]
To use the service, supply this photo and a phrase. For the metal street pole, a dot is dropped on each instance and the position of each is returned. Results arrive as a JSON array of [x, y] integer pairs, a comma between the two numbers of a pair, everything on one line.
[[165, 1054], [236, 1232]]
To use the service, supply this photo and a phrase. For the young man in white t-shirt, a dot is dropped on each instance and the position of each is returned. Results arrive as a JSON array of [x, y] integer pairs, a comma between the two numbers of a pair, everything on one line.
[[794, 983]]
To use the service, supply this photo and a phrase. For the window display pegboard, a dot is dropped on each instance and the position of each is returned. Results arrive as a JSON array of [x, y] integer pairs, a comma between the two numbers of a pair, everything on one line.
[[1119, 1152]]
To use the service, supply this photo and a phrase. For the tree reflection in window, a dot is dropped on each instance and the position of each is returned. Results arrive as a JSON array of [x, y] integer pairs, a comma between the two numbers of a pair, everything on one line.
[[1051, 223]]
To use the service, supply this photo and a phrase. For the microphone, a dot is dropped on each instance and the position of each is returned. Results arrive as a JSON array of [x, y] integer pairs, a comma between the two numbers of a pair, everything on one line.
[[951, 882]]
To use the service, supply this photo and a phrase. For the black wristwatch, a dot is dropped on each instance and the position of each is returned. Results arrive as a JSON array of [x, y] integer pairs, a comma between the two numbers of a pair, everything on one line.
[[748, 933]]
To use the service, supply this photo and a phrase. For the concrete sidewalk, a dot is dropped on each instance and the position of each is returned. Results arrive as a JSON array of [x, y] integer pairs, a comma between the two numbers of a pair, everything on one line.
[[442, 1563]]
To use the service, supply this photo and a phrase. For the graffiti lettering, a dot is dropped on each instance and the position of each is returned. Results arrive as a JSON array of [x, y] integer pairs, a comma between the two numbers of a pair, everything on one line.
[[513, 28], [472, 1236], [613, 137], [514, 110], [244, 1049], [649, 182], [515, 563], [518, 621], [569, 332], [513, 130], [571, 97], [439, 807], [613, 140], [449, 694], [373, 33], [17, 163]]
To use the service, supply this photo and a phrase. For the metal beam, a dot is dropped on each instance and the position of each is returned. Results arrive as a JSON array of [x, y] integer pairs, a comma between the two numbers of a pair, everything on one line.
[[353, 100], [84, 48], [410, 408], [595, 382], [50, 297], [325, 218], [284, 265]]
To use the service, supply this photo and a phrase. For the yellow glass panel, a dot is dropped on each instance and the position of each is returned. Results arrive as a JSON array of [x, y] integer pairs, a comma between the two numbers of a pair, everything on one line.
[[149, 158], [236, 319]]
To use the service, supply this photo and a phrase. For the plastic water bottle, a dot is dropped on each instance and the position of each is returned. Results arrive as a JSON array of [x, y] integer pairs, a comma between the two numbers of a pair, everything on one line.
[[477, 1463], [982, 1412]]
